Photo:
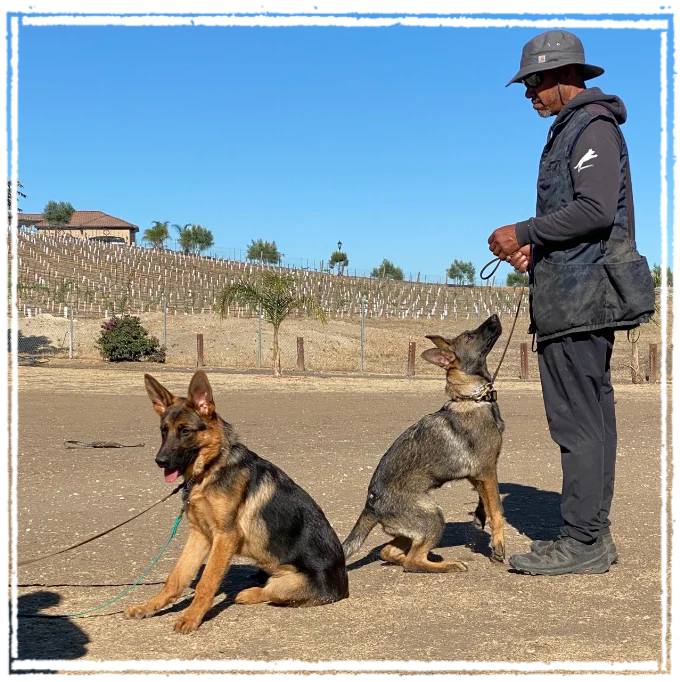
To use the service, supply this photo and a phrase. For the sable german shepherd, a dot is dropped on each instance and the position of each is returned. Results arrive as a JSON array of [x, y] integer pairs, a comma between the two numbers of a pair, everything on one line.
[[462, 440], [238, 504]]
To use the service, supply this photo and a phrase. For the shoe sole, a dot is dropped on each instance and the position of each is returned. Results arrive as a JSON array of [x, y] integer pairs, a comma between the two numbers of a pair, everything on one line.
[[593, 569]]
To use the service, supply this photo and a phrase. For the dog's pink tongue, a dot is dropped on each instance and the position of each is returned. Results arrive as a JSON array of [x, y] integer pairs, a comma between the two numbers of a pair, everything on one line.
[[171, 475]]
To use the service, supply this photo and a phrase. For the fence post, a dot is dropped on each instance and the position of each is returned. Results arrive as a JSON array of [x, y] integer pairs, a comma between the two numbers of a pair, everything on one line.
[[300, 354], [259, 336], [199, 350], [363, 315], [652, 363], [70, 333], [524, 362], [165, 322], [411, 365]]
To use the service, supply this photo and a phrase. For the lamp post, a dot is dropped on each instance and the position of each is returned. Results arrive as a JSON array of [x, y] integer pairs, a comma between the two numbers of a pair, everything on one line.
[[339, 245]]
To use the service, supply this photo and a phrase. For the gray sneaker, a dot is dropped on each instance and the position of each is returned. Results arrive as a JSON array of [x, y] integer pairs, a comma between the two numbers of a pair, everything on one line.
[[566, 555], [613, 556]]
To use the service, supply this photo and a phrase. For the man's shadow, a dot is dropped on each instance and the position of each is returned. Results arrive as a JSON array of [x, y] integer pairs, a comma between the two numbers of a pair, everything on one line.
[[47, 638], [534, 513]]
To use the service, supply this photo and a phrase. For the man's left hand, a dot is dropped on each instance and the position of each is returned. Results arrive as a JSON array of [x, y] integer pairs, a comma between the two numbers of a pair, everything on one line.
[[503, 242]]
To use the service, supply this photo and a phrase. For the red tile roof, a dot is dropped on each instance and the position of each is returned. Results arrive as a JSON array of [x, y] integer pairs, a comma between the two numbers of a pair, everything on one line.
[[92, 219]]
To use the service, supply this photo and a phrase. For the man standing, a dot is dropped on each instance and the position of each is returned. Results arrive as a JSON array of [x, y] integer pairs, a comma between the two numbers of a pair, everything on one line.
[[586, 279]]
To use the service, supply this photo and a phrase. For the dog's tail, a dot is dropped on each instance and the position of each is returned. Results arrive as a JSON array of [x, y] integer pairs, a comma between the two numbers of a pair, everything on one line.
[[364, 525]]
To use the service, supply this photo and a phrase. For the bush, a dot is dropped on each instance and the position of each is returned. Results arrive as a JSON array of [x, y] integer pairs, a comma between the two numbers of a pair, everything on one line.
[[123, 339]]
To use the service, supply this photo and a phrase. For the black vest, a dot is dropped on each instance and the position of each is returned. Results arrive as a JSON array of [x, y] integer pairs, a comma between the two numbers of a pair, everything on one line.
[[586, 285]]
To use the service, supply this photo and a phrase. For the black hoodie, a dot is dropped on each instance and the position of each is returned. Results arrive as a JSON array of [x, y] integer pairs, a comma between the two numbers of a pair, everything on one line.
[[595, 174]]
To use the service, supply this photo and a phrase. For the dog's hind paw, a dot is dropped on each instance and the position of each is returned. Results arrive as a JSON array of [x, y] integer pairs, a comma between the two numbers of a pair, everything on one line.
[[138, 611]]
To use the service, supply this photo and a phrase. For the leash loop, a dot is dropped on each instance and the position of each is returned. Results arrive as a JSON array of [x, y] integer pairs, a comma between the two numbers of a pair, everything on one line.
[[497, 261]]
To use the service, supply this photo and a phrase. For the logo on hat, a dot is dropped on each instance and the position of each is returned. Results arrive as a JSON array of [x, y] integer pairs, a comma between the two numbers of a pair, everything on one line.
[[541, 58]]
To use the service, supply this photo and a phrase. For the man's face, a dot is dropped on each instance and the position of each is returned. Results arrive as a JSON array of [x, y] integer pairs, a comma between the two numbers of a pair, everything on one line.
[[545, 96]]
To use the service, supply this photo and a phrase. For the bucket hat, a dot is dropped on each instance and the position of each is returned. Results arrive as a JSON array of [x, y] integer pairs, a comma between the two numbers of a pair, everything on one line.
[[550, 50]]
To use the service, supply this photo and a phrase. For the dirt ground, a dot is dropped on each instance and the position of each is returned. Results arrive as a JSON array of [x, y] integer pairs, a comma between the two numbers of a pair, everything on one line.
[[328, 434]]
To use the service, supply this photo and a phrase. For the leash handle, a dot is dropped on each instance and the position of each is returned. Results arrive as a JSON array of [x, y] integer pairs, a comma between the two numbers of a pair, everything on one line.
[[497, 261], [99, 535]]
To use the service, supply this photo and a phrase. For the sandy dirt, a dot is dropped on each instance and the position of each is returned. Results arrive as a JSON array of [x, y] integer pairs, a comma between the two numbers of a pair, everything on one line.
[[328, 434]]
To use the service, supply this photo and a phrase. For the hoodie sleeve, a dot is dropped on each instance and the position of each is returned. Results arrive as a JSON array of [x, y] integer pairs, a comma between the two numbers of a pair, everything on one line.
[[595, 174]]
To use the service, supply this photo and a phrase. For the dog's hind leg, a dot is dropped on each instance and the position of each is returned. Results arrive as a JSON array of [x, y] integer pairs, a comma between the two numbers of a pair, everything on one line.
[[395, 550], [289, 588], [427, 521], [488, 487]]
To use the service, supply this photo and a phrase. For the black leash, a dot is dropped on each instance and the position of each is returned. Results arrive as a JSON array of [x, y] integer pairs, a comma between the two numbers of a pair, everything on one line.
[[498, 261]]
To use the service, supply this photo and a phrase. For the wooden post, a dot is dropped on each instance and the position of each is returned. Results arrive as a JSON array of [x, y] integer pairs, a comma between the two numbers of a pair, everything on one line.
[[199, 350], [652, 363], [300, 354], [524, 362], [411, 364]]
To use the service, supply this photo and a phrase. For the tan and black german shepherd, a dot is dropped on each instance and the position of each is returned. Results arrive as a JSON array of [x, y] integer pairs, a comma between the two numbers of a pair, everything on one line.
[[461, 440], [238, 504]]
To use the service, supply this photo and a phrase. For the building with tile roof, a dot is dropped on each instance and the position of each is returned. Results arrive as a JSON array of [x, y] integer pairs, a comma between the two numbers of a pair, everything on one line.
[[88, 225]]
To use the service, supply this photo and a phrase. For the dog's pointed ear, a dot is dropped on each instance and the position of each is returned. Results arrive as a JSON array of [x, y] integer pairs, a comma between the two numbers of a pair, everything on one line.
[[201, 395], [160, 396], [442, 357], [439, 341]]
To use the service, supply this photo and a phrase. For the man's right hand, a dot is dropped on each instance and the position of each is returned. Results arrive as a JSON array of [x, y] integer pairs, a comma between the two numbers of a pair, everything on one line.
[[521, 260]]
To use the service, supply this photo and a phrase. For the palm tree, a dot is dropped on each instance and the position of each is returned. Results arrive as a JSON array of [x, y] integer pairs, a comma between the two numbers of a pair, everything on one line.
[[180, 230], [275, 295], [157, 233]]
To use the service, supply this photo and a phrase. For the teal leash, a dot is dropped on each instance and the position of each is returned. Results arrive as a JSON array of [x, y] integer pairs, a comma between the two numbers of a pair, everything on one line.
[[122, 594]]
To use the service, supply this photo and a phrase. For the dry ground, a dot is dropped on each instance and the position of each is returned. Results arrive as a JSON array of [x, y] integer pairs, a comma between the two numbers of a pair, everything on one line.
[[328, 434]]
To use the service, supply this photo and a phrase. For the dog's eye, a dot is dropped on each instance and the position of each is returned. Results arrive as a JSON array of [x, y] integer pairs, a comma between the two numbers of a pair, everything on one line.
[[470, 337], [185, 430]]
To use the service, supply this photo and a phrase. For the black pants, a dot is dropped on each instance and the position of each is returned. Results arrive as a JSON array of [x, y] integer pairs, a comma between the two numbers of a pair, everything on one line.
[[579, 404]]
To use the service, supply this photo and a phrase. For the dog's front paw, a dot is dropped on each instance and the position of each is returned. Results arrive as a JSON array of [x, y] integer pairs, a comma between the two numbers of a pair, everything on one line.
[[139, 611], [498, 554], [187, 622]]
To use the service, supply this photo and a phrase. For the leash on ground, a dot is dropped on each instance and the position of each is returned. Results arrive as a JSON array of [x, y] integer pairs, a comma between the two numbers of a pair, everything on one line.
[[75, 444], [122, 594], [26, 562], [498, 261]]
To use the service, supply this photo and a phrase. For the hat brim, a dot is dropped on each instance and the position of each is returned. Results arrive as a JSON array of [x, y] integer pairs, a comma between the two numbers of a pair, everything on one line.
[[589, 71]]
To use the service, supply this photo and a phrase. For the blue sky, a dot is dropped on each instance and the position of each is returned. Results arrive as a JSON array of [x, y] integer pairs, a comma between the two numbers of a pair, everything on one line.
[[401, 142]]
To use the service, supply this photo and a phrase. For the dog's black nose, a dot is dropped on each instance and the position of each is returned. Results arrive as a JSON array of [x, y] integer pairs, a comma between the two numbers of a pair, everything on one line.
[[162, 461]]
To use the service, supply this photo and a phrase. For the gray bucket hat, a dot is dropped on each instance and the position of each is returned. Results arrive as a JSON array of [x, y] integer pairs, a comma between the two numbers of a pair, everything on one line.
[[550, 50]]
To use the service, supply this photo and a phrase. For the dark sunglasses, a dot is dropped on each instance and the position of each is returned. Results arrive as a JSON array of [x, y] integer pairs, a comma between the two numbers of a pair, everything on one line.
[[532, 80]]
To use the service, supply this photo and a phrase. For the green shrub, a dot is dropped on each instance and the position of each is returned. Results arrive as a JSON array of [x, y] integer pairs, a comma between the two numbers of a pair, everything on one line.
[[123, 339]]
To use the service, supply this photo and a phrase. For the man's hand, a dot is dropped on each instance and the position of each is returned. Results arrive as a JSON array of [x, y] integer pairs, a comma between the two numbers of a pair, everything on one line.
[[503, 242], [521, 260]]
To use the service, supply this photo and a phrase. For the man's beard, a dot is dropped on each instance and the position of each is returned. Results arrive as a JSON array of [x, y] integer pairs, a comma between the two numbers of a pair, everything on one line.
[[546, 112]]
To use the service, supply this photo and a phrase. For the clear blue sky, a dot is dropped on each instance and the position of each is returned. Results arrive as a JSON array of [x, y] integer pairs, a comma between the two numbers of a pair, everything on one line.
[[403, 143]]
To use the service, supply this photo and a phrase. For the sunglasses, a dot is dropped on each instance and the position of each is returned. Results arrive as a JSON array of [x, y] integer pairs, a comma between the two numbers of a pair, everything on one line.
[[532, 80]]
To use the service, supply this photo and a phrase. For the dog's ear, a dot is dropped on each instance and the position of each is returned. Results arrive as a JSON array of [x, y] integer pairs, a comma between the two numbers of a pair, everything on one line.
[[439, 341], [200, 394], [441, 357], [160, 396]]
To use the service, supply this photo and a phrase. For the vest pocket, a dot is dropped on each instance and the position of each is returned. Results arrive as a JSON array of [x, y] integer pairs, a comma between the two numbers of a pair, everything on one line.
[[630, 291], [568, 296]]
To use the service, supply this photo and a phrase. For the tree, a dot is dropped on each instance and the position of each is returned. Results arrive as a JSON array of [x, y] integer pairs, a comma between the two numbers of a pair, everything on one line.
[[157, 234], [515, 279], [20, 195], [195, 238], [58, 213], [462, 272], [265, 252], [656, 276], [388, 270], [340, 259], [276, 295], [180, 229]]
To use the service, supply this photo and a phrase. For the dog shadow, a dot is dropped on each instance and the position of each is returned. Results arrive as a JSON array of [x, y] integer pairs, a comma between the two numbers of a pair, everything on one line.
[[532, 512], [238, 577]]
